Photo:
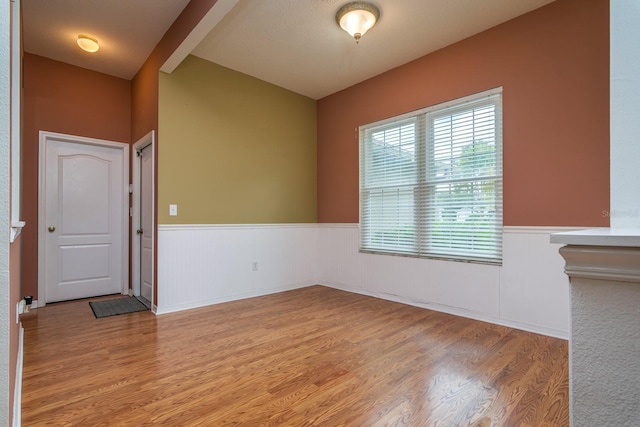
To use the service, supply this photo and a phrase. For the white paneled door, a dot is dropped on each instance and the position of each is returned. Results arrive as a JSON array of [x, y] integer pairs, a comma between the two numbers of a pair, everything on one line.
[[83, 223], [146, 222], [143, 231]]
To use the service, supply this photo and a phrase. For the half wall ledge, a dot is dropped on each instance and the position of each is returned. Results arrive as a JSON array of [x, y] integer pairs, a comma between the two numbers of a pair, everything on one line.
[[603, 266]]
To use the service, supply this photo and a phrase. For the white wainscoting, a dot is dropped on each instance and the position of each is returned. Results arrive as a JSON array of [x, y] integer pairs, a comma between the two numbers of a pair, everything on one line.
[[200, 265], [529, 291]]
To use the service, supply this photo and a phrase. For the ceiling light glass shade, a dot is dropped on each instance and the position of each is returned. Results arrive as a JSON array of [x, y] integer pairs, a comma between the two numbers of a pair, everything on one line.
[[357, 17], [88, 44]]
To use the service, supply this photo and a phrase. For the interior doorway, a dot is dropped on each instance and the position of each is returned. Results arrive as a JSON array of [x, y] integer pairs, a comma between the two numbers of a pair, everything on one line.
[[143, 226], [82, 218]]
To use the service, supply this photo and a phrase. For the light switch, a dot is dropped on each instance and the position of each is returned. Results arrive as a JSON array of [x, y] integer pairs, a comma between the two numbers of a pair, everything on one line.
[[173, 210]]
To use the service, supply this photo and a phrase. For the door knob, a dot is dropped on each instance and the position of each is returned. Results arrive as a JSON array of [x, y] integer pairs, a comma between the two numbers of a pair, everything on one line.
[[139, 231], [51, 229]]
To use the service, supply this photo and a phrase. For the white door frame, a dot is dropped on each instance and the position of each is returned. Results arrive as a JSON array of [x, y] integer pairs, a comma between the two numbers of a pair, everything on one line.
[[42, 226], [148, 139]]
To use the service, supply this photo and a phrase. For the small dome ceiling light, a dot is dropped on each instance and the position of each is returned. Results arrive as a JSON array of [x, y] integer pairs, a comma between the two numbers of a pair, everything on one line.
[[88, 44], [357, 17]]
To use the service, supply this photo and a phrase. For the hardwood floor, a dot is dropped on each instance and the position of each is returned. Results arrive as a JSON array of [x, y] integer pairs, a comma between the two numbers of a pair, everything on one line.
[[313, 356]]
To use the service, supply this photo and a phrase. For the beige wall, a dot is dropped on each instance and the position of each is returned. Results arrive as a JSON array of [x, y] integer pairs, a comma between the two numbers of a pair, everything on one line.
[[234, 149]]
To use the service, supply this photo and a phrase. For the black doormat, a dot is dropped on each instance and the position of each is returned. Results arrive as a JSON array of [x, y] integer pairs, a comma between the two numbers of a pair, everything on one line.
[[113, 307]]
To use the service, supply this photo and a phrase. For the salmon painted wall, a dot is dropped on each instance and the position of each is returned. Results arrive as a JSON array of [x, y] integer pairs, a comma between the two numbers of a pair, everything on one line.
[[63, 98], [553, 65], [14, 255]]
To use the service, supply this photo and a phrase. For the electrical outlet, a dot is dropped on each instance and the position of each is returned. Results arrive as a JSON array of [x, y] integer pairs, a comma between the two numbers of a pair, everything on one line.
[[254, 266], [173, 210]]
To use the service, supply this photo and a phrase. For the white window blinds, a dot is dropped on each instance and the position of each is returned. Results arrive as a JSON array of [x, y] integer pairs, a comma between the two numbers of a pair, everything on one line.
[[431, 181]]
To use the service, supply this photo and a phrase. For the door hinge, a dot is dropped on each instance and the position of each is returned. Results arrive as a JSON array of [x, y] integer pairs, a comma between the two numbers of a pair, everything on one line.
[[130, 188], [131, 212]]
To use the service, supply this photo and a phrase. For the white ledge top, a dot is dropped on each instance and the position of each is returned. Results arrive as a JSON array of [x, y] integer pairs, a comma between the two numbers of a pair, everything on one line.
[[624, 237]]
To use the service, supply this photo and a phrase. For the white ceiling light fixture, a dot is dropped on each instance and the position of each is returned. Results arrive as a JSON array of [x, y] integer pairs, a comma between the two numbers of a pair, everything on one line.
[[88, 44], [357, 17]]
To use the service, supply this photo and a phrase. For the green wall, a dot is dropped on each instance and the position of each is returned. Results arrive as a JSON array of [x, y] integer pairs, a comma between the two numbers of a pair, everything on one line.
[[233, 149]]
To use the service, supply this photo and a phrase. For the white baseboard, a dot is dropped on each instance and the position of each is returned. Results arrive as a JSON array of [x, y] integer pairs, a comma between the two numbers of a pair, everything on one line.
[[233, 297], [17, 391], [556, 333]]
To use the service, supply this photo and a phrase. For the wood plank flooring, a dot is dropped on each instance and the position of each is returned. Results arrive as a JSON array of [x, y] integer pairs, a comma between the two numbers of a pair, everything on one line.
[[309, 357]]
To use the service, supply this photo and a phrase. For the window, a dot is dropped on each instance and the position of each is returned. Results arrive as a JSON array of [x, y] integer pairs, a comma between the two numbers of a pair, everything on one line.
[[431, 181]]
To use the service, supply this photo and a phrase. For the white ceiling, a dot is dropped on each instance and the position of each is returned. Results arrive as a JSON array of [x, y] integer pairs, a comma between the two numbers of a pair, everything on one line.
[[127, 31], [295, 44]]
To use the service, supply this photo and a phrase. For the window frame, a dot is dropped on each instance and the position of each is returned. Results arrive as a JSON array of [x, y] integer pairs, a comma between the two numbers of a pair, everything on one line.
[[424, 124]]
